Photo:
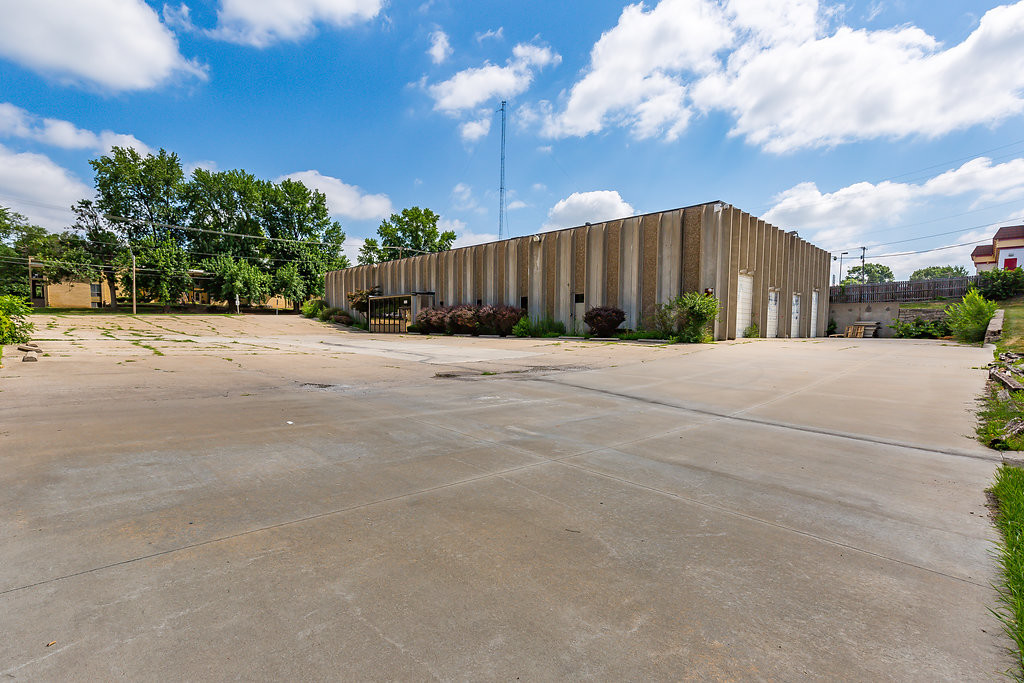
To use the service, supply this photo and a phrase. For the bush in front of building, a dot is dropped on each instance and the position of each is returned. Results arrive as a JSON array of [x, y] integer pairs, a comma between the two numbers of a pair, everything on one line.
[[432, 320], [922, 329], [969, 319], [694, 313], [603, 320], [14, 328], [1001, 284], [500, 320], [312, 308], [359, 300], [462, 319]]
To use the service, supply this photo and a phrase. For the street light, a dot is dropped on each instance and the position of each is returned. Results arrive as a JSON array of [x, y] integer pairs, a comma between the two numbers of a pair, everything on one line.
[[841, 266]]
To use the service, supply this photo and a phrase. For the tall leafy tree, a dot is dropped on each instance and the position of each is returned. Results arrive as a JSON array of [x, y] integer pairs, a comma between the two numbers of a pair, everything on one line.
[[937, 272], [288, 283], [19, 239], [230, 279], [870, 273], [139, 192], [411, 232], [226, 202], [163, 270]]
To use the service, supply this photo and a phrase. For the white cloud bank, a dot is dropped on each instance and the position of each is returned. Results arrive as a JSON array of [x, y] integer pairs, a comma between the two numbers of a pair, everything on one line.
[[118, 45], [467, 91], [15, 122], [440, 48], [261, 23], [587, 207], [789, 81], [33, 185], [344, 200]]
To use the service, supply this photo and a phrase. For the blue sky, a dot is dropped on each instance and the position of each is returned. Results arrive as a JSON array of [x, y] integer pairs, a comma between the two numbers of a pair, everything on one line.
[[861, 123]]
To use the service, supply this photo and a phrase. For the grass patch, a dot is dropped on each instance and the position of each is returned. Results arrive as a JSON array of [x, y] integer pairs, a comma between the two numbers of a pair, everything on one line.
[[995, 413], [1013, 325], [156, 351], [1008, 491]]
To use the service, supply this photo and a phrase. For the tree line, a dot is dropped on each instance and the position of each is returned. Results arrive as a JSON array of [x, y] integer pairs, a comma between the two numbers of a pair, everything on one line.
[[232, 233]]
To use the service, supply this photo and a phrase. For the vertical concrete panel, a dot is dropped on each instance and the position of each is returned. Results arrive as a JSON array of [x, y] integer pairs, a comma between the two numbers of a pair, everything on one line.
[[630, 246], [594, 292], [733, 271], [760, 283], [691, 249], [612, 255], [670, 256], [563, 289], [535, 277], [785, 284], [549, 241], [525, 256], [649, 263]]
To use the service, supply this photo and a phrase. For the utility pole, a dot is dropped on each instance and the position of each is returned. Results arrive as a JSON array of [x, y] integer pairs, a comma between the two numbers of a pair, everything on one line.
[[863, 275], [501, 190], [31, 290], [133, 283]]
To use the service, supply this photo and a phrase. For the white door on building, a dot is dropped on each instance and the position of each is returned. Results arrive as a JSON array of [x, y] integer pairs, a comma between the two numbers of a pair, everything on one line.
[[772, 326], [794, 323], [744, 303], [814, 313]]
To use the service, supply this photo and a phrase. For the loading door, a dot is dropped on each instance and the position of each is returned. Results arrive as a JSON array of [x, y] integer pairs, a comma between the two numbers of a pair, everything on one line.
[[744, 303], [794, 323], [772, 327], [814, 313]]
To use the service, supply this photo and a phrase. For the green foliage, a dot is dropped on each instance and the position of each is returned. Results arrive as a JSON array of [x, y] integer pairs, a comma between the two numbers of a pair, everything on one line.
[[432, 320], [462, 320], [604, 320], [359, 299], [522, 328], [409, 233], [831, 329], [288, 282], [922, 329], [688, 317], [969, 319], [327, 313], [1001, 284], [938, 272], [752, 331], [643, 334], [869, 273], [163, 271], [312, 308], [14, 328], [228, 279], [544, 327], [1008, 490]]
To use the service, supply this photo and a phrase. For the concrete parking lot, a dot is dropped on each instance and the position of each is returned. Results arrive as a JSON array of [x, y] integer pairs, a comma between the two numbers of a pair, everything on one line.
[[210, 497]]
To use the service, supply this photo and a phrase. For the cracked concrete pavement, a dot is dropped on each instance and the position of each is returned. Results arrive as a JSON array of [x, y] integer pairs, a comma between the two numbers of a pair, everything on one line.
[[208, 497]]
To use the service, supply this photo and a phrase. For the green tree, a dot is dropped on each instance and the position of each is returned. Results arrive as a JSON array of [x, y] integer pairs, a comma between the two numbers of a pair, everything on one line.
[[163, 271], [288, 283], [303, 233], [19, 239], [136, 192], [412, 232], [227, 202], [231, 279], [937, 272], [870, 273]]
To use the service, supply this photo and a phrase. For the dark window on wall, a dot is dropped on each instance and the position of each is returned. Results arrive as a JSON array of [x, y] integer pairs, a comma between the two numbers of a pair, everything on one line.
[[37, 290], [479, 302], [578, 298], [95, 289], [524, 302]]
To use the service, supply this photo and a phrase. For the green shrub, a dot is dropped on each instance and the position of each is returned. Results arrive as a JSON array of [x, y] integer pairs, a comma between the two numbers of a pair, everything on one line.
[[359, 299], [831, 329], [642, 334], [312, 308], [432, 320], [326, 314], [752, 331], [462, 320], [413, 328], [969, 319], [522, 328], [922, 329], [14, 328], [691, 314], [603, 320], [1001, 284]]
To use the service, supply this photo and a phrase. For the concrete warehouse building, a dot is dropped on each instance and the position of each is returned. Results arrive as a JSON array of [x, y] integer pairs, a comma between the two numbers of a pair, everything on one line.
[[760, 274]]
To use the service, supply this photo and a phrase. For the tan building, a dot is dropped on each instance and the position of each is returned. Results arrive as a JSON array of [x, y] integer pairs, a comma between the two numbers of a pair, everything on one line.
[[1005, 253], [760, 274], [70, 294]]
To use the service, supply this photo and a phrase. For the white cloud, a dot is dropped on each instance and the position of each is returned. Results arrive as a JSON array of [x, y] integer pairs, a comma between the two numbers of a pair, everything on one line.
[[587, 207], [343, 199], [15, 122], [787, 79], [472, 131], [842, 216], [538, 187], [497, 34], [115, 44], [634, 77], [903, 266], [463, 199], [440, 48], [516, 204], [467, 238], [179, 17], [33, 185], [264, 22], [472, 87]]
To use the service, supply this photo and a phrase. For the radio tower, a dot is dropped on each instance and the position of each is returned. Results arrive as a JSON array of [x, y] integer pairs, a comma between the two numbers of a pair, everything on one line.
[[501, 191]]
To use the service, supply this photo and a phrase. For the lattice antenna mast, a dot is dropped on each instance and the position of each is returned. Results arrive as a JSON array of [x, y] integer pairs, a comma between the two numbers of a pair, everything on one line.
[[501, 190]]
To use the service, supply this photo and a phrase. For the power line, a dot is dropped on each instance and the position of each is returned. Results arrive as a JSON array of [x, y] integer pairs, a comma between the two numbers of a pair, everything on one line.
[[925, 251], [938, 234]]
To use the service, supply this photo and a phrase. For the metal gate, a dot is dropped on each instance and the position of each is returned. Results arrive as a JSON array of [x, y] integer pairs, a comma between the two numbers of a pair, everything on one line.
[[389, 313]]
